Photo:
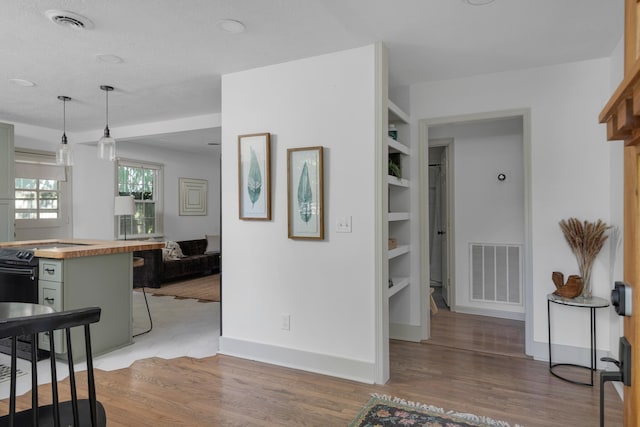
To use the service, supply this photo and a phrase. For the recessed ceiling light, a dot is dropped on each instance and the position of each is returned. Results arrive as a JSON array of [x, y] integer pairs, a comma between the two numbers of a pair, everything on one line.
[[69, 19], [478, 2], [22, 82], [109, 58], [231, 26]]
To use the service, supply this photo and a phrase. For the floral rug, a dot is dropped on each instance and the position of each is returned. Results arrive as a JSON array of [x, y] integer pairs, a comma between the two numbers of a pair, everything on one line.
[[387, 411]]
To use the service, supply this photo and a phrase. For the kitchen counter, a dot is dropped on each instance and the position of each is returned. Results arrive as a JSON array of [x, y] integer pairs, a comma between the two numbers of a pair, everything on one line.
[[75, 248]]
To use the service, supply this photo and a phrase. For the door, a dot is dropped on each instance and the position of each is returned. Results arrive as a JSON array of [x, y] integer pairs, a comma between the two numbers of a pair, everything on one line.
[[445, 228], [632, 276]]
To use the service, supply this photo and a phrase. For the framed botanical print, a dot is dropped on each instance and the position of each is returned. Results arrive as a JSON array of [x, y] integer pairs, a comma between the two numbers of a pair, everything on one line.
[[305, 193], [254, 176]]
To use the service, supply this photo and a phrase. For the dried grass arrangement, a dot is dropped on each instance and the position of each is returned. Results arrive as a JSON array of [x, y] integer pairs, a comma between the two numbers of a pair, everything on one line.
[[585, 239]]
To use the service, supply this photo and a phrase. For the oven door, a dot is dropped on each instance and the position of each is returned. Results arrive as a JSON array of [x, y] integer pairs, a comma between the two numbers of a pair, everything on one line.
[[18, 283]]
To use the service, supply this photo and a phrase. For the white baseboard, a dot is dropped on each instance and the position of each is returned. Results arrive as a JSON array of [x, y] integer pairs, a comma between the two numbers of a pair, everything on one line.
[[351, 369], [568, 354], [489, 312]]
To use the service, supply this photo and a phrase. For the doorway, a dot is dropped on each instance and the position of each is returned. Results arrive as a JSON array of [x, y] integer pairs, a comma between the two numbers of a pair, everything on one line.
[[468, 205], [439, 223]]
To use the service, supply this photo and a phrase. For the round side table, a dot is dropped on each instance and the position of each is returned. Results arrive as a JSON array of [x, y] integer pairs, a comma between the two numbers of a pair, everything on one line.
[[592, 304]]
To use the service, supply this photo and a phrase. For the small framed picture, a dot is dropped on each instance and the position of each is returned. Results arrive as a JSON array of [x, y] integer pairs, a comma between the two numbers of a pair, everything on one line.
[[305, 193], [254, 176]]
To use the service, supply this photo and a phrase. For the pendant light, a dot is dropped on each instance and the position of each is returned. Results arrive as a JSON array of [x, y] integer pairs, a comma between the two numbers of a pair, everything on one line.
[[63, 155], [106, 144]]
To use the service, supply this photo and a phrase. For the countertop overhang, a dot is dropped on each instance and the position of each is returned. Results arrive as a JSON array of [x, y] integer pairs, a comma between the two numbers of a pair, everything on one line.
[[75, 248]]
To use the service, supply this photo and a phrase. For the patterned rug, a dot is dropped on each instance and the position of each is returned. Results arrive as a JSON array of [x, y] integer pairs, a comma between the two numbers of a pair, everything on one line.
[[5, 373], [387, 411]]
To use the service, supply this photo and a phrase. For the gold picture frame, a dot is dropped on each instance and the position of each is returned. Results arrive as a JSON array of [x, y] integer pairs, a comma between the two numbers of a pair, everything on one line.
[[254, 176], [305, 193]]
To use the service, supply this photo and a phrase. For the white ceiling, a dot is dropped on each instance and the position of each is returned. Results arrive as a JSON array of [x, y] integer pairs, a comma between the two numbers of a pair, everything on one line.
[[174, 52]]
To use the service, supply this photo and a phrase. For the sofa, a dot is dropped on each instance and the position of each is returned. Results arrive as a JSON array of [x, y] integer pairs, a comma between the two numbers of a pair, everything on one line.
[[176, 261]]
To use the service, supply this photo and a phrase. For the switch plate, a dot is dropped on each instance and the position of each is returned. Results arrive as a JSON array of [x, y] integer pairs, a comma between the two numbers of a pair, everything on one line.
[[285, 321], [343, 225]]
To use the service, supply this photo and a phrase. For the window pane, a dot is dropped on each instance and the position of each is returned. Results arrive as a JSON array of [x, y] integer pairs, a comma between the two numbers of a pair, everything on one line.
[[48, 184], [48, 195], [25, 194], [26, 183], [25, 204], [26, 215], [48, 215], [48, 204]]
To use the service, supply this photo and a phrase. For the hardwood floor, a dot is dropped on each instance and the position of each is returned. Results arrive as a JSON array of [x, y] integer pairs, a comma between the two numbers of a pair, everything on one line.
[[226, 391]]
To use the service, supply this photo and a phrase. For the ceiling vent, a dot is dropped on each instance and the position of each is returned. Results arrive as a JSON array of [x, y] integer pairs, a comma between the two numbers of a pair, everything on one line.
[[69, 19]]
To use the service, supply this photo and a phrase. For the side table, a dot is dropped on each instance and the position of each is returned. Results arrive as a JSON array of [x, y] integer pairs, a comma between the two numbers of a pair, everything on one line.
[[592, 304]]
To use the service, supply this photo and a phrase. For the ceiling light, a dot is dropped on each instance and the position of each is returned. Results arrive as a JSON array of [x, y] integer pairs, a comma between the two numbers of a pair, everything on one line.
[[109, 58], [22, 82], [106, 144], [478, 2], [231, 26], [69, 19], [64, 155]]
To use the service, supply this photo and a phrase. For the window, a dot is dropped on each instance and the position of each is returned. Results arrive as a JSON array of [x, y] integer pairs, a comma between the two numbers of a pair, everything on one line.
[[41, 195], [37, 198], [144, 182]]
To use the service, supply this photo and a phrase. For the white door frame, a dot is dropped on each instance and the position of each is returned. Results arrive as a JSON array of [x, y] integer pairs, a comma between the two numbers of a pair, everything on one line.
[[423, 143]]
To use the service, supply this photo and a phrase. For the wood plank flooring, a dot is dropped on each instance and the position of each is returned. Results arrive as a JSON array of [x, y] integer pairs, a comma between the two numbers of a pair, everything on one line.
[[226, 391]]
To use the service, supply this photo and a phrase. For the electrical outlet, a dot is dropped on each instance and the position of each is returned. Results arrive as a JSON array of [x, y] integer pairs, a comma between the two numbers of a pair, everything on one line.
[[285, 321]]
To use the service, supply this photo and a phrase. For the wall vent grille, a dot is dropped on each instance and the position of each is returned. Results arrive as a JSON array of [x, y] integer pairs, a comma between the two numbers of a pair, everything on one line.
[[496, 273]]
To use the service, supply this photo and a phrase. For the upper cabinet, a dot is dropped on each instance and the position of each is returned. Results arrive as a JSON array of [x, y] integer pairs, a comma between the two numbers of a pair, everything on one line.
[[6, 161], [6, 183]]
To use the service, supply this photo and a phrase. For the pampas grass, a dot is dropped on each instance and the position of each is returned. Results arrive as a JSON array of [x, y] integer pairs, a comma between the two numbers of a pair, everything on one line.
[[585, 239]]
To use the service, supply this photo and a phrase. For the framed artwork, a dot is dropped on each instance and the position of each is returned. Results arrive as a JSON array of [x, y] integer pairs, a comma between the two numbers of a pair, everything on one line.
[[305, 193], [193, 196], [254, 176]]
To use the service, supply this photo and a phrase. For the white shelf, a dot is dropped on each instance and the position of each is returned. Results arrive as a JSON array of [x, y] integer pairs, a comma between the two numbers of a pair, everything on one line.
[[396, 114], [397, 147], [399, 283], [400, 250], [392, 180], [398, 216]]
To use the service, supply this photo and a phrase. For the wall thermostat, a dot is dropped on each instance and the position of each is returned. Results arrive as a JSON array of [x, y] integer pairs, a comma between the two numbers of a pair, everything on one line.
[[621, 298]]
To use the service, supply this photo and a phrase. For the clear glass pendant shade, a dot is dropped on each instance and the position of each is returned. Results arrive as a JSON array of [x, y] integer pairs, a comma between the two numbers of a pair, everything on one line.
[[64, 156], [107, 147], [106, 144]]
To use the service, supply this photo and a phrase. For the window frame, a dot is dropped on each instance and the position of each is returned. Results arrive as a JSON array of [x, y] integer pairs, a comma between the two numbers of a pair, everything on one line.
[[158, 191], [45, 160]]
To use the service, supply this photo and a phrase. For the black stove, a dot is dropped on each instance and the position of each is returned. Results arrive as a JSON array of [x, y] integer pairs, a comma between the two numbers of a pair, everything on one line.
[[18, 257]]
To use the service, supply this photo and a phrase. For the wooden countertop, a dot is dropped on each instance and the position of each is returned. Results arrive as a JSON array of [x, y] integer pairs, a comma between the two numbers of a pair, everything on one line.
[[82, 247]]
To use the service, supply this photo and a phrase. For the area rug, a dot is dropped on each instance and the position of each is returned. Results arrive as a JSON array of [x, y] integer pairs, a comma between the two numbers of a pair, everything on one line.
[[387, 411], [5, 372], [202, 288]]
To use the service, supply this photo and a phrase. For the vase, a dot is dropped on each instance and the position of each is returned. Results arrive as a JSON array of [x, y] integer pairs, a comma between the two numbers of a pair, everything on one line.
[[586, 286]]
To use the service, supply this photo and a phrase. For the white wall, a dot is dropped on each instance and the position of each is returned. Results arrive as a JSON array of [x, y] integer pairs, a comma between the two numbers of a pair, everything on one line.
[[94, 183], [94, 188], [570, 170], [326, 286], [486, 210]]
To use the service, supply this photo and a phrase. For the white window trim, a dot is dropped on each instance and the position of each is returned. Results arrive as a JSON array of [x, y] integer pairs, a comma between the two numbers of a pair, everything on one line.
[[159, 200]]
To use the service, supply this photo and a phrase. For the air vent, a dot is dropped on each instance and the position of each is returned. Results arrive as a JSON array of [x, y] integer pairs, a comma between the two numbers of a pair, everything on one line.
[[69, 19]]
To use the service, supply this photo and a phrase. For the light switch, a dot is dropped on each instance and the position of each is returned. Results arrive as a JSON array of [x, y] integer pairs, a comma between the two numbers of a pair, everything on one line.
[[343, 225]]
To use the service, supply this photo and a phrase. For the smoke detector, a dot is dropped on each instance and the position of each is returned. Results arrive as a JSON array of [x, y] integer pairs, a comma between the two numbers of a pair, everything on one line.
[[69, 19]]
